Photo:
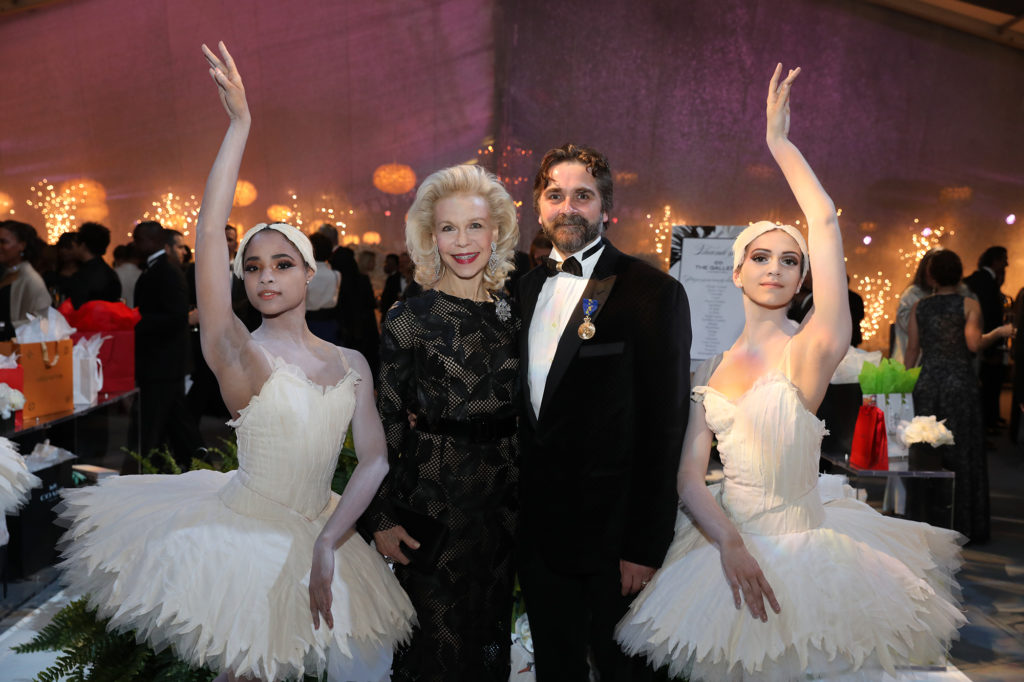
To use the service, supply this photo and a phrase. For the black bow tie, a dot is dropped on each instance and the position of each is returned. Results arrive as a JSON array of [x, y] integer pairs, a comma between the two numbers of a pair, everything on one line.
[[571, 265]]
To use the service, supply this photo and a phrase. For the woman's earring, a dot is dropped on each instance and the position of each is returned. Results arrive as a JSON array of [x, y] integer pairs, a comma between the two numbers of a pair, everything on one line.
[[492, 261]]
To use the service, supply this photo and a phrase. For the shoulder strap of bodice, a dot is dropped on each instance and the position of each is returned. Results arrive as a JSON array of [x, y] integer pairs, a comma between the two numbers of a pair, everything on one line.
[[784, 363], [704, 370], [344, 360]]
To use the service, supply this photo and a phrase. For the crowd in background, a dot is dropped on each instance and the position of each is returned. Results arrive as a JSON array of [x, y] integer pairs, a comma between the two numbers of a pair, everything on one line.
[[343, 308]]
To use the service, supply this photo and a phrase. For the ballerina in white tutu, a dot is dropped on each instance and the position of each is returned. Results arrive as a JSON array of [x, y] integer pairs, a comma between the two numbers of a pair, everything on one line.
[[255, 573], [852, 594]]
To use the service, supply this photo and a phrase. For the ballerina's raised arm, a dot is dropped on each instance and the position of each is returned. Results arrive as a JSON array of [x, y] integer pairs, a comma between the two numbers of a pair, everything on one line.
[[227, 345], [824, 338]]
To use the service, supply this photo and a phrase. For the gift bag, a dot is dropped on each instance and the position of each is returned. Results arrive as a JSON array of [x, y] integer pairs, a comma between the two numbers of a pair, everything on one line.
[[116, 322], [49, 378], [897, 407], [88, 370], [870, 448]]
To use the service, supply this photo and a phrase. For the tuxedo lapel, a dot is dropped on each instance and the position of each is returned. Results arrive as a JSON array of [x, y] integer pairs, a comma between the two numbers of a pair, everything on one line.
[[529, 289], [598, 288]]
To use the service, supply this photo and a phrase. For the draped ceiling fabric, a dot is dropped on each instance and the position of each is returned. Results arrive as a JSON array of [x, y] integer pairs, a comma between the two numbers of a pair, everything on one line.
[[890, 110], [118, 90]]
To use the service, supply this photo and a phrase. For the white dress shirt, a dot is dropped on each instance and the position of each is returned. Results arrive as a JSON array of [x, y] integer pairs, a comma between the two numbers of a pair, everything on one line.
[[555, 305], [322, 291]]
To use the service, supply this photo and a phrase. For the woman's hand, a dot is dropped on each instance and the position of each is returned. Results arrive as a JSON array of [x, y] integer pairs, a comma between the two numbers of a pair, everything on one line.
[[747, 581], [320, 578], [778, 104], [229, 82], [387, 543]]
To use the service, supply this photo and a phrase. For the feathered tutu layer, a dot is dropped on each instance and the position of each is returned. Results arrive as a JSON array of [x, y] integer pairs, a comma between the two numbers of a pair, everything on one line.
[[16, 482], [860, 594], [227, 587]]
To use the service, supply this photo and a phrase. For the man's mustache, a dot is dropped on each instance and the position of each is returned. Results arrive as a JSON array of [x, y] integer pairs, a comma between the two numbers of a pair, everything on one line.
[[571, 219]]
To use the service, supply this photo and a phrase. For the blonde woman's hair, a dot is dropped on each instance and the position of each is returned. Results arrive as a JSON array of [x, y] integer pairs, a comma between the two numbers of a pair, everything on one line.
[[419, 223]]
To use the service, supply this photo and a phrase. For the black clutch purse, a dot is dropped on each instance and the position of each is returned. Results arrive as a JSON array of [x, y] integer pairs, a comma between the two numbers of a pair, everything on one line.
[[426, 530]]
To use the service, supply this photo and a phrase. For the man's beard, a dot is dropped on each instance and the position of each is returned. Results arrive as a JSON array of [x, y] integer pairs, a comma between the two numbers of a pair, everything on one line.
[[570, 233]]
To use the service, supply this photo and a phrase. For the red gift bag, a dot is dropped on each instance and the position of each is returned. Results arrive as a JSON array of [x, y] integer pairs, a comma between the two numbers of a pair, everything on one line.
[[870, 447], [117, 353]]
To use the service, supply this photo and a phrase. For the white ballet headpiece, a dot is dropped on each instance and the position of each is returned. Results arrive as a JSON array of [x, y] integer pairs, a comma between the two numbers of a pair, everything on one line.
[[755, 230], [294, 235]]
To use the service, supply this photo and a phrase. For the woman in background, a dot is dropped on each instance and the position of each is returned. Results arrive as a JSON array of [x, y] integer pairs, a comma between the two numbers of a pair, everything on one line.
[[944, 333], [22, 289]]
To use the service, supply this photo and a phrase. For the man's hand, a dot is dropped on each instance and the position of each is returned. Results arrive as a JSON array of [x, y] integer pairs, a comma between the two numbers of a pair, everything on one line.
[[634, 576]]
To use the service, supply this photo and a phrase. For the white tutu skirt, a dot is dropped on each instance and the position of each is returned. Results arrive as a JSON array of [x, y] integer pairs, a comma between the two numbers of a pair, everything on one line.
[[228, 587], [16, 483], [859, 594]]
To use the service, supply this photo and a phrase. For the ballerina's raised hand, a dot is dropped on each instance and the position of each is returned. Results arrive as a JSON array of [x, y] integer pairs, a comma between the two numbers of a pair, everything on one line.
[[229, 82], [778, 103]]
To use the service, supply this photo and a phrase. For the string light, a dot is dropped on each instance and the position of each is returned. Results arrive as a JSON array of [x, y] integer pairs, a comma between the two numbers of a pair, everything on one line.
[[922, 241], [876, 291], [175, 212], [58, 207], [296, 216], [662, 232]]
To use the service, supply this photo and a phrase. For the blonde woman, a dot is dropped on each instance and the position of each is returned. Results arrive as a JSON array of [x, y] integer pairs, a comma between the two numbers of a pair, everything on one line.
[[449, 366]]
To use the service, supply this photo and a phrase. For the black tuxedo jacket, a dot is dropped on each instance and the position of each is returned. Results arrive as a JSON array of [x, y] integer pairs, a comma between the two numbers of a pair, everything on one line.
[[598, 464], [161, 336], [94, 281], [986, 288], [989, 296], [392, 291]]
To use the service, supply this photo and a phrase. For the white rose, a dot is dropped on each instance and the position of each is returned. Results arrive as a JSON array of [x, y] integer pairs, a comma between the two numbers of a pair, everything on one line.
[[926, 430]]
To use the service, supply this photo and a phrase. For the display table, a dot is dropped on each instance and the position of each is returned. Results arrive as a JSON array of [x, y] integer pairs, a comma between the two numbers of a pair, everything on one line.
[[95, 434], [930, 492]]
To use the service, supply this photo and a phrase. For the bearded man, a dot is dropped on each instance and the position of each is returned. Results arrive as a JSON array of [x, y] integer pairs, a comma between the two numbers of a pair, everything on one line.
[[605, 354]]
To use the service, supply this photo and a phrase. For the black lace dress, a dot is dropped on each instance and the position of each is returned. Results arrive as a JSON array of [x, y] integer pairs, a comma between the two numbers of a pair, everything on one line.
[[453, 362], [948, 389]]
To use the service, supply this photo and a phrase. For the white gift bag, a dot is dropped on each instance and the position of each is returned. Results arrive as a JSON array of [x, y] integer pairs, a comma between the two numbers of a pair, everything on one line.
[[88, 370], [897, 407]]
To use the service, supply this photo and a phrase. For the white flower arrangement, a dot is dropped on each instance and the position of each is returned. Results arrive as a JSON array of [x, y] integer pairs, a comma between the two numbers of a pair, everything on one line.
[[925, 430], [11, 400]]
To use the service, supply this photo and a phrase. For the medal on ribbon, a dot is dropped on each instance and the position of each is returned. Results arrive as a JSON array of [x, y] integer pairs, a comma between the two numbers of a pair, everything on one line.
[[587, 328]]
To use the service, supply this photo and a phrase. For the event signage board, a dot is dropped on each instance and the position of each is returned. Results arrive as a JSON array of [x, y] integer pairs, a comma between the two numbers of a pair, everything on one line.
[[702, 260]]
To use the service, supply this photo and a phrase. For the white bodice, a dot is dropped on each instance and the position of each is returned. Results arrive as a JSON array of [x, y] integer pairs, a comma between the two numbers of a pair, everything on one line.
[[769, 444], [289, 437]]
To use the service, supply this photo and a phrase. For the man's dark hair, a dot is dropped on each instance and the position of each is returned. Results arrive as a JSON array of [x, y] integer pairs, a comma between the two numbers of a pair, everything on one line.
[[945, 268], [95, 237], [391, 257], [322, 247], [169, 236], [67, 240], [992, 254], [595, 162], [148, 229]]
